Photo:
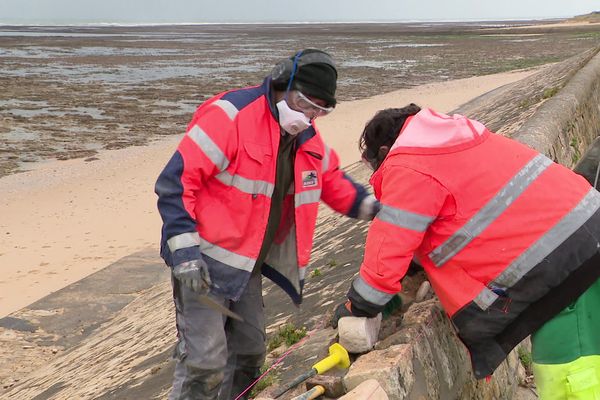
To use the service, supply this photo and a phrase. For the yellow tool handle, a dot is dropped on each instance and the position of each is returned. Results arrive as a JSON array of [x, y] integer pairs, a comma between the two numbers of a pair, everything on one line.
[[326, 364], [311, 394], [338, 356], [319, 390]]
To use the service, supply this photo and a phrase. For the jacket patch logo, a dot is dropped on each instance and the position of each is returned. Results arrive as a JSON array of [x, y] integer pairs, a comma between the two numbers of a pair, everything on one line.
[[309, 178]]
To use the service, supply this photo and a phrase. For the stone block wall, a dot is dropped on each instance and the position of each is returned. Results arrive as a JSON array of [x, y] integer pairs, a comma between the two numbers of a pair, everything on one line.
[[426, 360]]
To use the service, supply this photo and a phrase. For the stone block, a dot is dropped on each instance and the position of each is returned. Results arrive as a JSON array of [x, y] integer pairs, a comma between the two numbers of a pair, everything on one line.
[[391, 367], [368, 390], [423, 292], [359, 335]]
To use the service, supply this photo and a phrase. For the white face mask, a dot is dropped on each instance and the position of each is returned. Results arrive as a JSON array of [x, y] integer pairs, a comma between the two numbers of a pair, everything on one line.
[[293, 122]]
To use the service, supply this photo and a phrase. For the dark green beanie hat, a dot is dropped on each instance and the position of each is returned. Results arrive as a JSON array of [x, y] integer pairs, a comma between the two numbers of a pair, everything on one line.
[[317, 80]]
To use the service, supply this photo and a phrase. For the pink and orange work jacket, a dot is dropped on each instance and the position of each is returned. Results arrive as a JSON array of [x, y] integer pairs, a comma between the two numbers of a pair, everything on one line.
[[500, 230], [215, 193]]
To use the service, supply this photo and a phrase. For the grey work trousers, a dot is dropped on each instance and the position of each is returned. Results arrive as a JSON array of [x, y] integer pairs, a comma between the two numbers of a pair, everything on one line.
[[218, 357]]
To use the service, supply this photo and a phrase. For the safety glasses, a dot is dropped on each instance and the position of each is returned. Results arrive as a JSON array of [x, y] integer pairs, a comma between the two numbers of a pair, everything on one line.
[[308, 106]]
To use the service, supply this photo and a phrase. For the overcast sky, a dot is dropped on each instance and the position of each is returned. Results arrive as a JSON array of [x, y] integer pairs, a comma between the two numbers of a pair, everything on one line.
[[198, 11]]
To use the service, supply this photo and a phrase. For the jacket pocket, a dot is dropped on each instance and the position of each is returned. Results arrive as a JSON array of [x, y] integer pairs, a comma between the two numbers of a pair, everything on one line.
[[254, 163], [373, 249], [257, 152], [315, 155], [311, 155]]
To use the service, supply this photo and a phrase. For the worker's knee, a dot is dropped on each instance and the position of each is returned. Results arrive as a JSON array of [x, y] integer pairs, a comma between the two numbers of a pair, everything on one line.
[[200, 355], [211, 378]]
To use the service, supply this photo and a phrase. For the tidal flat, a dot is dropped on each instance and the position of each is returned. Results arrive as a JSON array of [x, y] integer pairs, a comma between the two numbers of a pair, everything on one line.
[[69, 92]]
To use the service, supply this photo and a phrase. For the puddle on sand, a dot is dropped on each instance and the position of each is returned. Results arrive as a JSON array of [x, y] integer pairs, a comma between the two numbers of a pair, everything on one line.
[[93, 112]]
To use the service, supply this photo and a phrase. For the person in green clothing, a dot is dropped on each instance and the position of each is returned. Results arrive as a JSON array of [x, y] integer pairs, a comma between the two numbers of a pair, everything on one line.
[[566, 350]]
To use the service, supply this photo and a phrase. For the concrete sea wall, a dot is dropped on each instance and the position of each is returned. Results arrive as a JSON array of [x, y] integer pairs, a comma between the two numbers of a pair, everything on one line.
[[564, 127]]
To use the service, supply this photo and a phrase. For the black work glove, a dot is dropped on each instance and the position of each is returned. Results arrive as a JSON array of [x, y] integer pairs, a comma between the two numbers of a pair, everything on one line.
[[193, 274], [348, 309], [342, 310]]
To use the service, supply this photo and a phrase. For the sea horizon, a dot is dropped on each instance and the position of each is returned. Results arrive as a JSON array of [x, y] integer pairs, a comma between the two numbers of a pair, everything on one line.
[[323, 22]]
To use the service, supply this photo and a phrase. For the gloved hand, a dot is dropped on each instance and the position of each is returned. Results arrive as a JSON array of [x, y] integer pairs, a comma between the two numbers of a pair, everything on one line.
[[342, 310], [193, 274], [368, 208]]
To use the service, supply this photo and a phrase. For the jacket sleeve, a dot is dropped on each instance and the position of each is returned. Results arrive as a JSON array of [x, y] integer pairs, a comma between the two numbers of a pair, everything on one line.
[[204, 151], [342, 193], [410, 202]]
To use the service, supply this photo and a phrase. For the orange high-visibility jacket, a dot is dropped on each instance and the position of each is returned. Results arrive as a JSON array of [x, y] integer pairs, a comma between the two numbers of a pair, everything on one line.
[[215, 193], [496, 226]]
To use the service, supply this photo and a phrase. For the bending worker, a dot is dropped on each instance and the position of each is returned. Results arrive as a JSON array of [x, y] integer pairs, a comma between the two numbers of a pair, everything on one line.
[[239, 199], [509, 240]]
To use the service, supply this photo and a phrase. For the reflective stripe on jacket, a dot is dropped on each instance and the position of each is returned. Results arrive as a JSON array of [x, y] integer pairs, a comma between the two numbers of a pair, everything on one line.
[[215, 193], [485, 216]]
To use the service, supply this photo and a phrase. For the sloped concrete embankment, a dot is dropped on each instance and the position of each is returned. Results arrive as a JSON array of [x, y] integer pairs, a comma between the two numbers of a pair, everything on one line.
[[565, 126], [121, 349]]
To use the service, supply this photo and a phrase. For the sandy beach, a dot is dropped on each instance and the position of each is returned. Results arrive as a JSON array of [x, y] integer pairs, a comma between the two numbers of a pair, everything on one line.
[[64, 220]]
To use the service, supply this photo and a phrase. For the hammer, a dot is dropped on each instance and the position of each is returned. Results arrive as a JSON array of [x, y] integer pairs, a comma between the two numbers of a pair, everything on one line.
[[338, 356]]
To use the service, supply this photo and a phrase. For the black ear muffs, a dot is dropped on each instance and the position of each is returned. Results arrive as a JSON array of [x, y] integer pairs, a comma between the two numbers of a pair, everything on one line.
[[284, 70], [281, 72]]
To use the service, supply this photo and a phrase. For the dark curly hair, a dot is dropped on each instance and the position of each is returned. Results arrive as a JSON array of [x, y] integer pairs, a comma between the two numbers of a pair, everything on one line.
[[382, 130]]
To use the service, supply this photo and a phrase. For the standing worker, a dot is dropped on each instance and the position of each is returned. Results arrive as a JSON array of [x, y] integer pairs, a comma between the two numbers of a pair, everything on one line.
[[239, 199], [509, 240]]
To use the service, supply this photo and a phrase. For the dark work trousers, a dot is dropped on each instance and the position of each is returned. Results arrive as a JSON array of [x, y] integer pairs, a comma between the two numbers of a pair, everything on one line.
[[218, 357]]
